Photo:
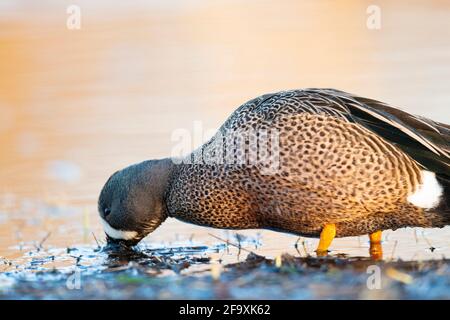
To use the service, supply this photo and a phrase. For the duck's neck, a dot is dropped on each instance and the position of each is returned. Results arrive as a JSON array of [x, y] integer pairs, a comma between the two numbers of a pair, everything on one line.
[[159, 173]]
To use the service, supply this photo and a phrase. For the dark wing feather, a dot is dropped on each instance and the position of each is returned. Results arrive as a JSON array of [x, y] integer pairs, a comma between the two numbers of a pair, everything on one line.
[[426, 141]]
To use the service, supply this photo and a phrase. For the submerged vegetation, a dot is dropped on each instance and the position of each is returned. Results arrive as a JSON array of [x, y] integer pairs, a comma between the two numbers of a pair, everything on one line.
[[198, 272]]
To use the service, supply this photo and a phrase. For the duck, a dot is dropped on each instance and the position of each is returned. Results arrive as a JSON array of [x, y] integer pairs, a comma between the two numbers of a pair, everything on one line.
[[319, 163]]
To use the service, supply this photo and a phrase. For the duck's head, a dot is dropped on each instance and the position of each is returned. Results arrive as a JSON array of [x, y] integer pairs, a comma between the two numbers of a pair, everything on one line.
[[131, 204]]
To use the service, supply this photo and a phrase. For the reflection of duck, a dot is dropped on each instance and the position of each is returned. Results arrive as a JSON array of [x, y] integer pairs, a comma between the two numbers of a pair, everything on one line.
[[346, 166]]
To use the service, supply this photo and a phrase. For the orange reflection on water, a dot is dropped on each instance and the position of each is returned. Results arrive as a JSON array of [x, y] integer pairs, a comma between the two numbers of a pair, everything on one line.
[[76, 105]]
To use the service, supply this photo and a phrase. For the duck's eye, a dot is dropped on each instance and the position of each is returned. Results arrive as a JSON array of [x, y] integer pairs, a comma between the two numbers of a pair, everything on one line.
[[106, 211]]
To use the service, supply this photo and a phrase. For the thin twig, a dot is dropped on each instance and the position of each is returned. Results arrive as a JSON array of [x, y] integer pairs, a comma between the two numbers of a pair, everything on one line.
[[39, 246], [230, 243], [95, 238], [296, 246], [305, 248], [432, 248], [415, 236], [393, 250], [238, 238]]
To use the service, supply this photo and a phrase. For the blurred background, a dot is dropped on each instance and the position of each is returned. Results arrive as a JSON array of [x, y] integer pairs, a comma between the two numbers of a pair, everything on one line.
[[77, 104]]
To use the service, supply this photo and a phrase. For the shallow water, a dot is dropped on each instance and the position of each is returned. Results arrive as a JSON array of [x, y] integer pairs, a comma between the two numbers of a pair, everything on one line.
[[76, 105]]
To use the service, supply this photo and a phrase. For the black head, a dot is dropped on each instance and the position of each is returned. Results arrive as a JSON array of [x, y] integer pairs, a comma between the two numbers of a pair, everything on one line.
[[131, 204]]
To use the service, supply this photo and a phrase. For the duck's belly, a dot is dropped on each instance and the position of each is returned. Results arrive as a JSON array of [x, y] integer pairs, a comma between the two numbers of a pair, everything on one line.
[[327, 171]]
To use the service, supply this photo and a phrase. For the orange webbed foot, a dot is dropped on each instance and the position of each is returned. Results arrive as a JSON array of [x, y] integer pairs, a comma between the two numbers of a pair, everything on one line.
[[326, 237], [376, 249]]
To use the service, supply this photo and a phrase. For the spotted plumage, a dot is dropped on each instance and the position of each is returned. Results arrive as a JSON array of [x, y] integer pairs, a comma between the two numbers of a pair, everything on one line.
[[330, 158]]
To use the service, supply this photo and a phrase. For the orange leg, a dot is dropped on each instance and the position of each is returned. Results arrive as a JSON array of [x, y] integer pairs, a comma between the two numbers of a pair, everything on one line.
[[326, 237], [376, 249]]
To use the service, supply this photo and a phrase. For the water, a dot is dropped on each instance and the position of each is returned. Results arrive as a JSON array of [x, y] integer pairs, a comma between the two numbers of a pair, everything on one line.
[[77, 105]]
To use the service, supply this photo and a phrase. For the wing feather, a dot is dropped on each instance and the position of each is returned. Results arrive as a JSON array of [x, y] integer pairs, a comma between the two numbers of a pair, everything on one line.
[[426, 141]]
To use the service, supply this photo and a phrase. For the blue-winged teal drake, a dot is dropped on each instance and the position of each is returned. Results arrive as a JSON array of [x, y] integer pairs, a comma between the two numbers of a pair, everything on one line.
[[344, 166]]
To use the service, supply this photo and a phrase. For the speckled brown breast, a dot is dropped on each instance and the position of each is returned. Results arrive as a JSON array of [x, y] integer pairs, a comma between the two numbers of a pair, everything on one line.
[[331, 171]]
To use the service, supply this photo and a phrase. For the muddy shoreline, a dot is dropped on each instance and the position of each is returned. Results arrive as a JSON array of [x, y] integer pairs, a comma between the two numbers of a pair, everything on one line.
[[196, 272]]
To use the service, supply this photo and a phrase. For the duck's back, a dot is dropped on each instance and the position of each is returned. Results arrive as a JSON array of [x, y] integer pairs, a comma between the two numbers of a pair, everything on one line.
[[296, 160]]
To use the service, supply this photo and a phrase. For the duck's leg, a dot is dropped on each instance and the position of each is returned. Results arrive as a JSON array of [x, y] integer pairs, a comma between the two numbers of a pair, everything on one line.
[[376, 250], [326, 237]]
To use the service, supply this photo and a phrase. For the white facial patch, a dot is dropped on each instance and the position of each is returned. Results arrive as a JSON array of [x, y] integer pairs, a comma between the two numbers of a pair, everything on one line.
[[118, 234], [429, 193]]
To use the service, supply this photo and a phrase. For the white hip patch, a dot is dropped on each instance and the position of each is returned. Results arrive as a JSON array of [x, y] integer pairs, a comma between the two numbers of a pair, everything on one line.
[[429, 194], [117, 234]]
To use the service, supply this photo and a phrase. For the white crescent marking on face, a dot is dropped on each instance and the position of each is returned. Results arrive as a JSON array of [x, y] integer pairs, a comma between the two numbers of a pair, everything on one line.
[[117, 234]]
